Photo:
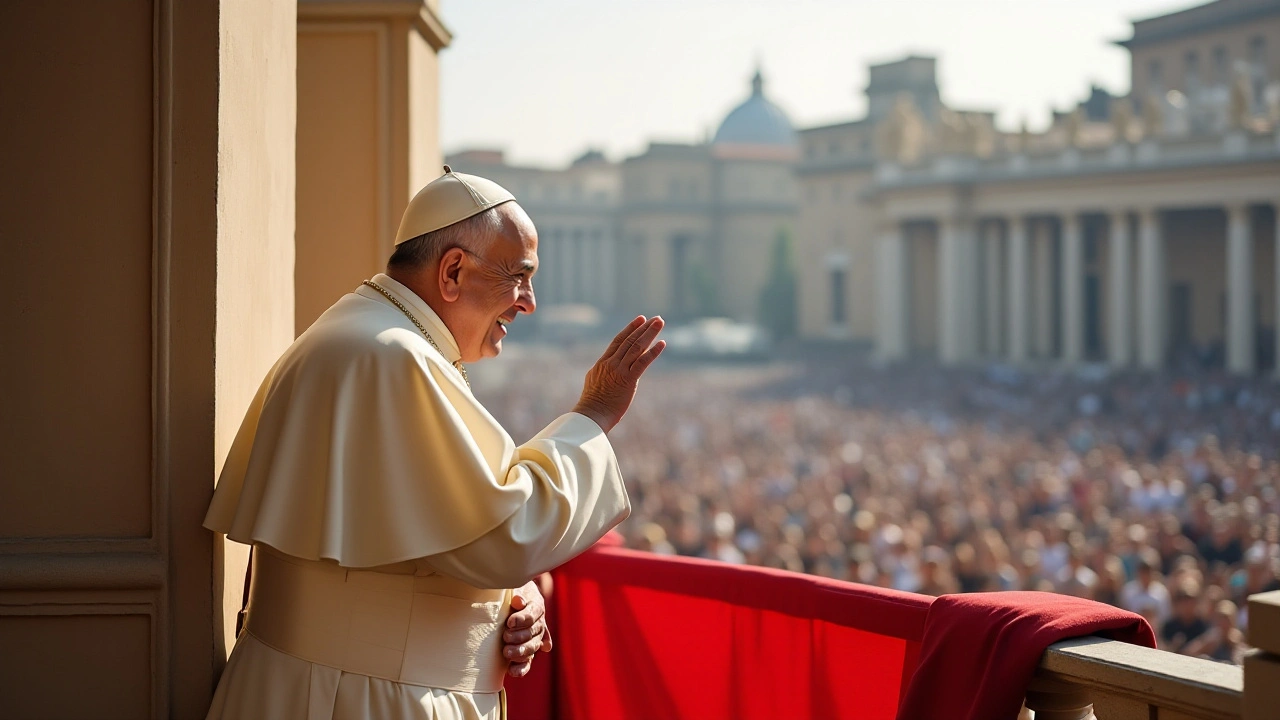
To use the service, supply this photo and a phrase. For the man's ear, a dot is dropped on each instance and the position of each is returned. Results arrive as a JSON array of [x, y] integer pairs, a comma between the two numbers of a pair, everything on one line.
[[450, 273]]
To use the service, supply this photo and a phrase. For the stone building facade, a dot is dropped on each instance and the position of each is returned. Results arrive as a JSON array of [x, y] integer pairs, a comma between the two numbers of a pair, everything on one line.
[[1136, 230]]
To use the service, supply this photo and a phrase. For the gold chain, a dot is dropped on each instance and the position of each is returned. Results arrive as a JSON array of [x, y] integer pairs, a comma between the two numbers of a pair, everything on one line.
[[457, 364]]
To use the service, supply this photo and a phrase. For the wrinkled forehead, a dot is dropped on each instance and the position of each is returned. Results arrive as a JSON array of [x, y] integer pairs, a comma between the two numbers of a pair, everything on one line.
[[518, 239], [520, 225]]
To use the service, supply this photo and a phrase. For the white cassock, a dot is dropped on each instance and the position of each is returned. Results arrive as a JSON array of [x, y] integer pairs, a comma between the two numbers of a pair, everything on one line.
[[390, 515]]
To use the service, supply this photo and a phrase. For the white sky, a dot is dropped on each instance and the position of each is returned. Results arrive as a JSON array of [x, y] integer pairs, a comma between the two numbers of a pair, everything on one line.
[[546, 79]]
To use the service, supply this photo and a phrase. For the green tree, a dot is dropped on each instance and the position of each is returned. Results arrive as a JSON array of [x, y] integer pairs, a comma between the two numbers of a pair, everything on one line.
[[778, 306]]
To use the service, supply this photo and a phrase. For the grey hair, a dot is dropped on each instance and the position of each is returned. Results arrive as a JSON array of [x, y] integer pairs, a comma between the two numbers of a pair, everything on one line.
[[475, 234]]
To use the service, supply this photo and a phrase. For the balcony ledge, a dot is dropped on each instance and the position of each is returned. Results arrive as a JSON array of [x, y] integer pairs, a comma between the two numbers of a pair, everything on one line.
[[1130, 681]]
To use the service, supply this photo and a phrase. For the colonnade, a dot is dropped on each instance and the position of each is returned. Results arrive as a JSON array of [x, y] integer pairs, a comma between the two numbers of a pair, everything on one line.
[[576, 267], [998, 297]]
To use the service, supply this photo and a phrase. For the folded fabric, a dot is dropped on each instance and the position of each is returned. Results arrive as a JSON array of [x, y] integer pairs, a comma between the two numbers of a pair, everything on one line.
[[980, 650]]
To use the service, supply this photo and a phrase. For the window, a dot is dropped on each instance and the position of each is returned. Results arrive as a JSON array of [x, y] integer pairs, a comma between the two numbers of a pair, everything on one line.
[[1221, 66], [837, 297], [1155, 77], [1191, 70]]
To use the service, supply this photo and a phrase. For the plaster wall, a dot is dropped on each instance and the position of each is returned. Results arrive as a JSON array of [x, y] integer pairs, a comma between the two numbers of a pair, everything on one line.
[[255, 290], [835, 227], [147, 218], [368, 120], [341, 160]]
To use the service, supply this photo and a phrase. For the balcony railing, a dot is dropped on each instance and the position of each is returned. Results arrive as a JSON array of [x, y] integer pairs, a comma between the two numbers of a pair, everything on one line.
[[1087, 677], [641, 635]]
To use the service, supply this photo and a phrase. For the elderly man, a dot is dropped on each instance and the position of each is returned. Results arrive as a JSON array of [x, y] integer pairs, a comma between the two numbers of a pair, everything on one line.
[[389, 513]]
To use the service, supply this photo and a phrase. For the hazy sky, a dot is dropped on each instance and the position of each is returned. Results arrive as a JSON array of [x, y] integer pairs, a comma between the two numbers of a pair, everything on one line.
[[546, 79]]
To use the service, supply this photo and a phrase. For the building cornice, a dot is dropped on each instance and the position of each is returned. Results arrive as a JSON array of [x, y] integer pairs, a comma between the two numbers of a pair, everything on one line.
[[1194, 21], [424, 18], [835, 165], [992, 176]]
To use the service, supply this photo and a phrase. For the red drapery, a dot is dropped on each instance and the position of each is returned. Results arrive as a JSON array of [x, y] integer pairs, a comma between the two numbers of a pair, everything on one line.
[[644, 636]]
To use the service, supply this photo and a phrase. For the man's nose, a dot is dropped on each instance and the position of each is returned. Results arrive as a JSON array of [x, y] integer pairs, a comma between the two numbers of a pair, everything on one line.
[[526, 302]]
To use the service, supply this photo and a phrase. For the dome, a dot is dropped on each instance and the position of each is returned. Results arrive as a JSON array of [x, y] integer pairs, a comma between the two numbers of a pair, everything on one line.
[[756, 121]]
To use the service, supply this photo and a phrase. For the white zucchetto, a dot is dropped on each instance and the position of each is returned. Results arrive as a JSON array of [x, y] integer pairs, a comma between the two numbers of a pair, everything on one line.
[[450, 198]]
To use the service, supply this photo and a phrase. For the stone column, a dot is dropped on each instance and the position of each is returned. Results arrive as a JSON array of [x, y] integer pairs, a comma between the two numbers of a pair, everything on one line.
[[891, 295], [1120, 280], [1240, 324], [1019, 290], [1072, 289], [1151, 291], [950, 292], [1043, 273], [992, 299]]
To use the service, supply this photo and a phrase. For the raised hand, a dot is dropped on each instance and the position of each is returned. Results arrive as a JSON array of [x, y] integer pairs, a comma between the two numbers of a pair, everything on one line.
[[611, 383]]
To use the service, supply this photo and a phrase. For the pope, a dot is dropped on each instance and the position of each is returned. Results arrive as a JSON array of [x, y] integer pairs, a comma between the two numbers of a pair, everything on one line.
[[395, 526]]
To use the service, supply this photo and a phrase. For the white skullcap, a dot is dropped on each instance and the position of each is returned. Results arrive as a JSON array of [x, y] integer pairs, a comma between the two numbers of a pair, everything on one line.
[[450, 198]]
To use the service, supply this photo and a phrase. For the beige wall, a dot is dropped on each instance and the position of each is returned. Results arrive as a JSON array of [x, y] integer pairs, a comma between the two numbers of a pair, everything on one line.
[[835, 226], [343, 222], [368, 118], [147, 221], [256, 171], [667, 179]]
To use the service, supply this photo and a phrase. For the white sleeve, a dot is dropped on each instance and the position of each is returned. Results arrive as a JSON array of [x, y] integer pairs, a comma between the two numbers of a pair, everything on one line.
[[577, 496]]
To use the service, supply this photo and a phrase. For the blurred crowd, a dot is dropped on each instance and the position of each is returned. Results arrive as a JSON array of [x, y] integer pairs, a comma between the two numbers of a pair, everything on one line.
[[1158, 494]]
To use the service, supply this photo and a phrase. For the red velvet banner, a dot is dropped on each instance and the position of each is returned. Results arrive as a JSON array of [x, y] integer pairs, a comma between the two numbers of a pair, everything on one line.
[[644, 636]]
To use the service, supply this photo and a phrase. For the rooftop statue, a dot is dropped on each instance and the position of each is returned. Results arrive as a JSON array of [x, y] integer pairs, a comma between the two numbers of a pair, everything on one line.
[[953, 135], [1122, 119], [900, 136], [1072, 125], [1152, 116], [1241, 98]]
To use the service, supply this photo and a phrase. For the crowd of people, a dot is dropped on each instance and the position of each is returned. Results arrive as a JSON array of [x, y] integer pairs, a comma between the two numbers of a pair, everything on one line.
[[1158, 494]]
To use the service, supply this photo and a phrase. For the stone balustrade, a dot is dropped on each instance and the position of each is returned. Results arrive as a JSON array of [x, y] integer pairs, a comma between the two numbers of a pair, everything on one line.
[[1092, 677]]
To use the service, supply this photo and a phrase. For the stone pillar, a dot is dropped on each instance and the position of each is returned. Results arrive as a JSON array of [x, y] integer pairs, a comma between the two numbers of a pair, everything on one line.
[[1072, 289], [1043, 274], [950, 292], [993, 286], [1151, 291], [1120, 290], [891, 295], [1240, 321], [368, 100], [1019, 290], [1262, 667]]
